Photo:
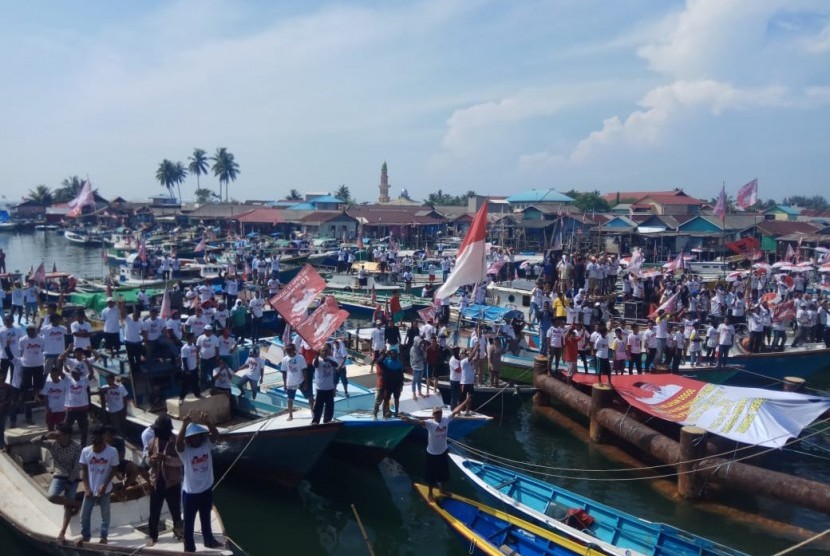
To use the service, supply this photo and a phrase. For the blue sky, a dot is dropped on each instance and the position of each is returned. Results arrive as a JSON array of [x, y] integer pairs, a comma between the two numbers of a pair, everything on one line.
[[456, 95]]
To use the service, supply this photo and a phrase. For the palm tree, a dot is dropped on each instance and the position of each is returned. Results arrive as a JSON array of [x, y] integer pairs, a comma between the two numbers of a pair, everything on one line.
[[294, 195], [198, 165], [69, 189], [225, 168], [42, 195], [171, 173], [203, 195]]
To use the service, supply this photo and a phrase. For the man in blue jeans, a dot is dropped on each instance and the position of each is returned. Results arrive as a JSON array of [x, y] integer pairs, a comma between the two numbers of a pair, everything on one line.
[[99, 462], [194, 444]]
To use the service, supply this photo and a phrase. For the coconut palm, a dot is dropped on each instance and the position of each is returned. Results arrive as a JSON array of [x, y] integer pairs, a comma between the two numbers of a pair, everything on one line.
[[344, 194], [69, 189], [171, 174], [225, 168], [294, 195], [198, 165], [41, 195]]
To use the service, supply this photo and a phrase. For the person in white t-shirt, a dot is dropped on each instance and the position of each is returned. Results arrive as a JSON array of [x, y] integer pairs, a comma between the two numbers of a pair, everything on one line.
[[455, 376], [112, 316], [253, 373], [114, 399], [194, 444], [293, 368], [208, 345], [634, 343], [81, 333], [54, 341], [79, 373], [437, 470], [98, 465], [53, 397], [30, 348], [726, 337], [133, 326], [222, 378]]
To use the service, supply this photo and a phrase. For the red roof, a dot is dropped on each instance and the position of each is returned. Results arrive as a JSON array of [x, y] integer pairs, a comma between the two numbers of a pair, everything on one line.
[[669, 199], [265, 215]]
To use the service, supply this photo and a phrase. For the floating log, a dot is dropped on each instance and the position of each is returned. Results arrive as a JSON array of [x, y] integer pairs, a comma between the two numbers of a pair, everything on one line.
[[810, 494]]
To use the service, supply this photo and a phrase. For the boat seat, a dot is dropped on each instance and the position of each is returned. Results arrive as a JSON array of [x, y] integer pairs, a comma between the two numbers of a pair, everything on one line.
[[19, 442], [504, 549]]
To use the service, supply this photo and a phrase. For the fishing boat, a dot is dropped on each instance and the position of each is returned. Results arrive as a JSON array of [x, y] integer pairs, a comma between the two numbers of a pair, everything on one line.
[[558, 508], [279, 450], [83, 237], [491, 532], [505, 397], [25, 479], [801, 362]]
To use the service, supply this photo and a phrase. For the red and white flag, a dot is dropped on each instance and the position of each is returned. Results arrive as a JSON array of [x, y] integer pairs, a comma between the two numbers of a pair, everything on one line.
[[293, 300], [40, 275], [747, 195], [200, 246], [142, 252], [321, 325], [85, 197], [669, 306], [286, 335], [470, 264], [720, 206], [788, 256], [166, 311]]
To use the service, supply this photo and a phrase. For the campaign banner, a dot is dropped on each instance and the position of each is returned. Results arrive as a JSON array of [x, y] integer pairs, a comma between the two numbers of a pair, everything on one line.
[[749, 415], [427, 313], [293, 300], [322, 323]]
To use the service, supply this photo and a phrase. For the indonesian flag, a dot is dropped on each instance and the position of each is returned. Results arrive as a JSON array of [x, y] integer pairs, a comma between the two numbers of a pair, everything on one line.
[[165, 311], [200, 246], [85, 197], [782, 312], [636, 262], [747, 195], [720, 206], [40, 274], [470, 265], [669, 306], [750, 415], [677, 264]]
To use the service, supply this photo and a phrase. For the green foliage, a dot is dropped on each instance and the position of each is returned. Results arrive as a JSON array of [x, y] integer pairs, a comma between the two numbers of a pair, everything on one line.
[[440, 198], [42, 195], [344, 194], [170, 174], [225, 168], [588, 202], [69, 189], [198, 165], [816, 202], [294, 195], [203, 195]]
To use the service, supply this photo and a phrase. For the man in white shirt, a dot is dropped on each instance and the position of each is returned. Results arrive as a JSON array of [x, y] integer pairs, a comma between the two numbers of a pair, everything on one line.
[[256, 306], [30, 348], [726, 336], [54, 341], [196, 322], [81, 333], [208, 345], [634, 344], [114, 398], [378, 343], [98, 465], [133, 326], [293, 370], [111, 315]]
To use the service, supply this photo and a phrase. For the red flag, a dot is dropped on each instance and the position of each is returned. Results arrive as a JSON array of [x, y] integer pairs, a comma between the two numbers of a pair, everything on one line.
[[470, 264], [720, 206], [317, 328], [142, 252], [745, 246], [427, 313], [200, 246], [40, 275], [165, 311], [669, 306], [293, 300], [783, 311], [747, 195]]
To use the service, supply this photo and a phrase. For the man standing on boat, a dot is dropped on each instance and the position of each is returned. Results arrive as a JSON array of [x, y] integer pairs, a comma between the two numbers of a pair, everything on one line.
[[194, 444], [437, 469], [99, 462], [66, 470], [208, 345], [165, 477]]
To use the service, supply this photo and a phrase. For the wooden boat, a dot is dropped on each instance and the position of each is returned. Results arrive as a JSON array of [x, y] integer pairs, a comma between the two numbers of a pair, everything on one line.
[[609, 527], [279, 450], [495, 399], [24, 481], [802, 362], [491, 532], [83, 237]]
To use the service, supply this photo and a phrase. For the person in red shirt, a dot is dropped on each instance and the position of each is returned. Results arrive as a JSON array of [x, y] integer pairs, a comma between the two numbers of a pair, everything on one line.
[[570, 352]]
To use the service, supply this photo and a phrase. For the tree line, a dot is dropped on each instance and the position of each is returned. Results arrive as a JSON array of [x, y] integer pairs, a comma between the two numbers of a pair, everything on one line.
[[224, 167]]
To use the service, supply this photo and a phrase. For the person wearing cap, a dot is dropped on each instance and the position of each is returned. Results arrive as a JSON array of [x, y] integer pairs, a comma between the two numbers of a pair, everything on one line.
[[66, 470], [437, 468], [166, 474], [194, 444], [208, 345], [99, 462], [112, 317], [78, 373]]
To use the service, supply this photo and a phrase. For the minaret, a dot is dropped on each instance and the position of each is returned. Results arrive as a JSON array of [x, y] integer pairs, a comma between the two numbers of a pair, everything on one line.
[[383, 198]]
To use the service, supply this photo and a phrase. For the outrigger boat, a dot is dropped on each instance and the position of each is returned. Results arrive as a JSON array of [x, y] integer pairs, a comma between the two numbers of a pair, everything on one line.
[[491, 532], [572, 514]]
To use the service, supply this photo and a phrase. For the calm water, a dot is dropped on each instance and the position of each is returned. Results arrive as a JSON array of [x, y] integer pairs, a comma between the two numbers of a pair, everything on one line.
[[316, 518]]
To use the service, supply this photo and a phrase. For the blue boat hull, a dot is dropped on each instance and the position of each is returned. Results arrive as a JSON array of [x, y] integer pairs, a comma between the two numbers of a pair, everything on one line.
[[777, 365]]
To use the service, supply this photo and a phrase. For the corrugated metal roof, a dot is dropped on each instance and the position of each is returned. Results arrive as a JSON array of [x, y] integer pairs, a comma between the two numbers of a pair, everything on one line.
[[539, 196]]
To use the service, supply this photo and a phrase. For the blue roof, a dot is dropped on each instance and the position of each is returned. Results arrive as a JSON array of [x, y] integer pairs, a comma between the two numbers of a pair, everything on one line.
[[325, 199], [539, 196], [302, 206]]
